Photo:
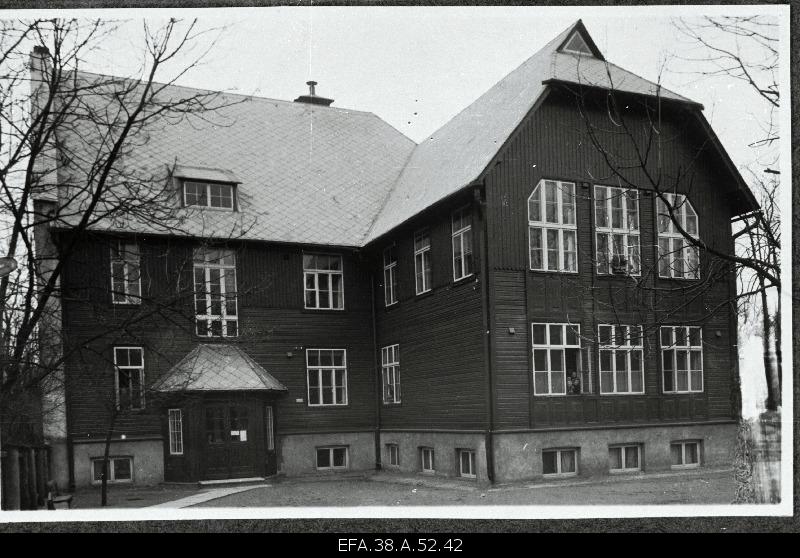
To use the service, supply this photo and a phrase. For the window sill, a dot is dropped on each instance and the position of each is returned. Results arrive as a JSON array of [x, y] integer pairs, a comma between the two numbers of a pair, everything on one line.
[[323, 310], [553, 272], [556, 476], [464, 280], [690, 466]]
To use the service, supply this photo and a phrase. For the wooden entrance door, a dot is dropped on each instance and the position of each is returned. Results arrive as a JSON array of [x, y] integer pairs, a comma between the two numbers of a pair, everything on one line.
[[234, 441]]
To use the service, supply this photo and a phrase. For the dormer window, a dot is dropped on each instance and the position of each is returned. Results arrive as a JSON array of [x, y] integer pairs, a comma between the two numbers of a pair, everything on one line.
[[209, 194]]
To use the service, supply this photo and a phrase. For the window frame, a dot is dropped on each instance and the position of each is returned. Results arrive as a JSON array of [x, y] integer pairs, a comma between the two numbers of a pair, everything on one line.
[[390, 365], [140, 373], [175, 431], [559, 473], [122, 247], [111, 474], [688, 349], [208, 185], [584, 375], [614, 347], [683, 444], [681, 204], [464, 236], [541, 223], [226, 271], [331, 450], [390, 276], [422, 256], [471, 460], [609, 231], [623, 458], [320, 371], [393, 450], [430, 450], [269, 420], [315, 272]]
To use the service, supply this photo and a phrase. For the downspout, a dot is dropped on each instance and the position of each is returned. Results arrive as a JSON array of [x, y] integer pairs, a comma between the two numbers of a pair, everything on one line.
[[487, 331], [378, 384]]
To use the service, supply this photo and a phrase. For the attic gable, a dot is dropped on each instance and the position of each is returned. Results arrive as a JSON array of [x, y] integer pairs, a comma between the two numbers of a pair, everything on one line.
[[579, 42]]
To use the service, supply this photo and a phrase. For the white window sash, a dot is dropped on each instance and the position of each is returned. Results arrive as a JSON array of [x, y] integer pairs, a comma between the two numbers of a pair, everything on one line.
[[175, 419], [126, 296], [548, 347], [615, 347], [207, 188], [421, 263], [674, 349], [460, 235], [320, 370], [389, 278], [226, 271], [609, 231], [139, 370], [543, 225], [680, 209], [315, 273]]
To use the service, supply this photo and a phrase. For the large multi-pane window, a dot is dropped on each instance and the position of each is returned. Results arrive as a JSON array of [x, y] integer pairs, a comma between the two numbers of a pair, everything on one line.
[[462, 243], [175, 431], [616, 213], [552, 231], [390, 275], [327, 377], [126, 285], [129, 377], [677, 257], [682, 358], [215, 292], [324, 282], [557, 360], [422, 261], [621, 369], [209, 194], [390, 371]]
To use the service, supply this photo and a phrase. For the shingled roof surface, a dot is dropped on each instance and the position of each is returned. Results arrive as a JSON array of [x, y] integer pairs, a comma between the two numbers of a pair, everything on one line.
[[457, 153], [332, 176], [217, 367]]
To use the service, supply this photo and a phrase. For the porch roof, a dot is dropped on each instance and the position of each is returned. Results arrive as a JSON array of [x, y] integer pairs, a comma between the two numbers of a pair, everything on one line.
[[217, 367]]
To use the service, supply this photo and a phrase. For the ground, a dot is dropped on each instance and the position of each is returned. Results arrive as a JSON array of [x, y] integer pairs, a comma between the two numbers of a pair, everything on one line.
[[383, 489]]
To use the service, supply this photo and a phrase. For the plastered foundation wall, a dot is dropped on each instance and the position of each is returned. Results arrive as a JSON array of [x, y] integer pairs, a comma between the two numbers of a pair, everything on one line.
[[445, 446], [148, 459], [298, 451], [518, 456]]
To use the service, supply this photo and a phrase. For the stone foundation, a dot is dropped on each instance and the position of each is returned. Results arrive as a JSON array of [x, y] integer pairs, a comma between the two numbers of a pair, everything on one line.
[[298, 452], [148, 460], [445, 446]]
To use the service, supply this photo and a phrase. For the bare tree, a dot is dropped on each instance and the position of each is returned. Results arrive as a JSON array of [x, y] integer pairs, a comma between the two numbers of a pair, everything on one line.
[[745, 48], [66, 142]]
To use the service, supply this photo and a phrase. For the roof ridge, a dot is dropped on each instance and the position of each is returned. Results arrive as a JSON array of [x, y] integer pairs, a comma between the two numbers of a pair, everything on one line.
[[247, 96]]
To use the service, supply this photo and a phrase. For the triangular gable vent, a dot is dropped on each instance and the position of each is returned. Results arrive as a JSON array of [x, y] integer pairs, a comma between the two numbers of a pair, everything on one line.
[[577, 44]]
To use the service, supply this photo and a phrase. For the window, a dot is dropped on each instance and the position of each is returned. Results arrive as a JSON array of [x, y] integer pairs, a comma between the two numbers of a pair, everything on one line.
[[390, 275], [422, 262], [682, 359], [129, 365], [209, 194], [332, 458], [239, 424], [390, 369], [560, 462], [677, 257], [621, 360], [215, 292], [120, 469], [685, 454], [426, 458], [175, 432], [577, 45], [552, 232], [462, 244], [394, 454], [557, 360], [126, 285], [617, 230], [466, 463], [324, 283], [327, 376], [269, 419], [624, 459]]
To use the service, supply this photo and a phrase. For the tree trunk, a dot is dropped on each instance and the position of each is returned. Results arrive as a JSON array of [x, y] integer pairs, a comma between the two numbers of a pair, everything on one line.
[[104, 480]]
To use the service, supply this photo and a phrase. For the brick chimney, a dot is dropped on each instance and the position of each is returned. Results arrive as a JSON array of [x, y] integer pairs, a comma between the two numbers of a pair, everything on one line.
[[312, 98]]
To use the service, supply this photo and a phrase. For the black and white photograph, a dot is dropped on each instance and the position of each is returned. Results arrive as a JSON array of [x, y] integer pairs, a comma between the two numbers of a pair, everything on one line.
[[395, 262]]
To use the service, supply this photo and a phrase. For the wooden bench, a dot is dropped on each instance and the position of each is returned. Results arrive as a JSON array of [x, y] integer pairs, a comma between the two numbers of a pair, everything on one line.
[[55, 500]]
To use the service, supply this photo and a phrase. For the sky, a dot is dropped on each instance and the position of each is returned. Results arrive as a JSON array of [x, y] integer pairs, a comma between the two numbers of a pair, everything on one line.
[[416, 67]]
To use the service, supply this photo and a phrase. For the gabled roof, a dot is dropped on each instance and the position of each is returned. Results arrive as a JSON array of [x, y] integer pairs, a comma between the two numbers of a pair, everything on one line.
[[456, 154], [217, 367]]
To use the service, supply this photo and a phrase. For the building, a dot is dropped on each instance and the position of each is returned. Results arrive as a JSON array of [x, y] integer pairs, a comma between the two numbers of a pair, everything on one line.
[[501, 302]]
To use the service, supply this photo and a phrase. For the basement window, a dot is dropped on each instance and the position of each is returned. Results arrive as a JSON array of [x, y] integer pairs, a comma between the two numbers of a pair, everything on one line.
[[685, 454], [560, 463], [394, 454], [466, 463], [120, 469], [332, 458], [427, 460], [625, 458]]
